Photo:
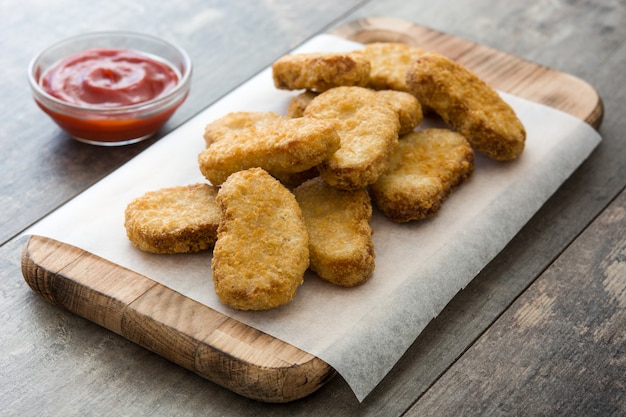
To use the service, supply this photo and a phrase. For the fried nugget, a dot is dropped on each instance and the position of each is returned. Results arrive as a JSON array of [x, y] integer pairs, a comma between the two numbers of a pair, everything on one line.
[[229, 125], [405, 104], [298, 103], [468, 104], [320, 71], [408, 108], [262, 249], [340, 236], [368, 128], [389, 62], [424, 170], [174, 220], [234, 122], [282, 146]]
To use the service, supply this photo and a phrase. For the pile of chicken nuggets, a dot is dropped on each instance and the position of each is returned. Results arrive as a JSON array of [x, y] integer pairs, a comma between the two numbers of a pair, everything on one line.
[[288, 193]]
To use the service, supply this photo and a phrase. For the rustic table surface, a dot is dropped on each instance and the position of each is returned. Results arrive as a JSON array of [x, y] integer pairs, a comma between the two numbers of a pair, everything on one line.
[[540, 331]]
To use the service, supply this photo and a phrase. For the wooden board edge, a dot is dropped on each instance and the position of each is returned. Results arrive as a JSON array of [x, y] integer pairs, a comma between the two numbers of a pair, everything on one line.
[[553, 88], [182, 330]]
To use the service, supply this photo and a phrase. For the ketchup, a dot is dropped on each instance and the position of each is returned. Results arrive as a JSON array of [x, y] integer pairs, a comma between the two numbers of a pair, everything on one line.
[[108, 78]]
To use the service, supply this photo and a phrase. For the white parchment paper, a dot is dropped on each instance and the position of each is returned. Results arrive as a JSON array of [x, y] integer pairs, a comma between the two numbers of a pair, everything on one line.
[[363, 331]]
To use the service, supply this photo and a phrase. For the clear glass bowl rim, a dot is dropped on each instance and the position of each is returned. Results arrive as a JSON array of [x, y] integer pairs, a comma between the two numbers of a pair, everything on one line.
[[180, 88]]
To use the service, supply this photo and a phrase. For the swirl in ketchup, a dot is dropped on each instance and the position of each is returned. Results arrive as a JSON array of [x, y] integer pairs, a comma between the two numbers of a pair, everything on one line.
[[109, 78]]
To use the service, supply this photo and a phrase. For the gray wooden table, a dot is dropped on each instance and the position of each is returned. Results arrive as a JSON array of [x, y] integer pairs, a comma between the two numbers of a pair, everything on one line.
[[541, 330]]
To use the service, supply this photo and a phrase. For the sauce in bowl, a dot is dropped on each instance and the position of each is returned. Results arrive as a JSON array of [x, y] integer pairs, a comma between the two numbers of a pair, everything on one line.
[[110, 88], [108, 78]]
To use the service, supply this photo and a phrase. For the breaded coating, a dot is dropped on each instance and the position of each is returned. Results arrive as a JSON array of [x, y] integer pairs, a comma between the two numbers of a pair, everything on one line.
[[408, 108], [282, 146], [298, 103], [174, 220], [468, 105], [340, 236], [231, 124], [424, 170], [235, 121], [368, 128], [262, 249], [405, 104], [320, 71], [389, 62]]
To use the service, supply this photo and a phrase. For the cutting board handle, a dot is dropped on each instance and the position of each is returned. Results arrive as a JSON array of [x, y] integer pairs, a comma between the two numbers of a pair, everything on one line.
[[190, 334]]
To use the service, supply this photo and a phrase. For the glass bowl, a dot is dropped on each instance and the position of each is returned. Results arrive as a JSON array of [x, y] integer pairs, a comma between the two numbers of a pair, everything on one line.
[[121, 124]]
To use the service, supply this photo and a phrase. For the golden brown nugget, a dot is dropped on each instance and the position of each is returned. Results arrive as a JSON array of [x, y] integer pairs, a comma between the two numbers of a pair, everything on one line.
[[405, 104], [468, 105], [368, 128], [232, 123], [174, 220], [320, 71], [262, 249], [236, 121], [389, 62], [284, 146], [340, 236], [408, 108], [298, 103], [424, 170]]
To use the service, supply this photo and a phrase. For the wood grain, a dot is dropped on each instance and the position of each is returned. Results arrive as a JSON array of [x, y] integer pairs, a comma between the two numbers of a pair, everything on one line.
[[184, 331], [570, 325], [210, 344]]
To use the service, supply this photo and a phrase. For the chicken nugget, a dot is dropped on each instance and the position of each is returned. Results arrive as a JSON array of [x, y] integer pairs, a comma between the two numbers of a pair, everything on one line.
[[282, 146], [235, 121], [408, 108], [320, 71], [174, 220], [424, 170], [468, 104], [262, 249], [405, 104], [389, 62], [227, 126], [340, 237], [298, 103], [368, 128]]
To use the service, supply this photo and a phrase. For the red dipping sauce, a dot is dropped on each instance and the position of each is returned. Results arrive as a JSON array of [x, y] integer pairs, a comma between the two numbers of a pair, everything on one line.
[[110, 95], [108, 78]]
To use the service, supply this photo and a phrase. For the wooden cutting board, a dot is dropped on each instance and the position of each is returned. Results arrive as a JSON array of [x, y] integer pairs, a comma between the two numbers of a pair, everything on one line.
[[222, 349]]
